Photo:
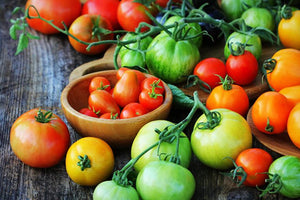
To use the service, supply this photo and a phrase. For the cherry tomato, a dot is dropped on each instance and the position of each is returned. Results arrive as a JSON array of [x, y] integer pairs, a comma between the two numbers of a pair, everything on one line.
[[89, 161], [155, 82], [133, 110], [208, 69], [102, 101], [99, 83], [127, 89], [110, 116], [89, 28], [39, 138], [255, 162], [105, 8], [270, 112], [88, 112], [59, 11], [292, 94], [150, 99], [140, 75], [293, 125]]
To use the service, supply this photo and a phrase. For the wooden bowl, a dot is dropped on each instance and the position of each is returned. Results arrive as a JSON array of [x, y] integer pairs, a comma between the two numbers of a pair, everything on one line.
[[118, 133]]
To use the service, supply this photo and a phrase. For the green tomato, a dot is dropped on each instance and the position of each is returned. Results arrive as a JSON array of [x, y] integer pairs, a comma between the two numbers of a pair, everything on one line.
[[253, 40], [233, 9], [147, 137], [133, 58], [162, 180], [213, 146], [190, 29], [172, 61], [288, 169], [108, 190], [259, 17]]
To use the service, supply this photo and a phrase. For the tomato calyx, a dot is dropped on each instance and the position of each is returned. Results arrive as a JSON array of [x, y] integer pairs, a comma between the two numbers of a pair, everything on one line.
[[226, 82], [97, 31], [43, 117], [237, 48], [269, 64], [84, 162], [286, 12], [269, 127], [274, 185], [238, 174]]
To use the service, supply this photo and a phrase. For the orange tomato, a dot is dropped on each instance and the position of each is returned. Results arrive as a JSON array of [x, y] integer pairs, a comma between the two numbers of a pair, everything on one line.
[[292, 94], [283, 70], [293, 125], [270, 112]]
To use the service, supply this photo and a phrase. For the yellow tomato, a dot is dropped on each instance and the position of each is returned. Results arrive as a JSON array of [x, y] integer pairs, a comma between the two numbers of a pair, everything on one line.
[[293, 126], [292, 94], [89, 161]]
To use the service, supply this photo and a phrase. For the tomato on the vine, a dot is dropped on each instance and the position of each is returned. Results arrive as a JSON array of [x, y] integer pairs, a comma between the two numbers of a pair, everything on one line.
[[99, 83], [102, 102], [259, 17], [133, 109], [39, 138]]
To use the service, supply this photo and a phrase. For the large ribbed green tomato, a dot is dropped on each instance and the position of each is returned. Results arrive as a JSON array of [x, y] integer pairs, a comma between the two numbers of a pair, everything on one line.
[[172, 61], [228, 139]]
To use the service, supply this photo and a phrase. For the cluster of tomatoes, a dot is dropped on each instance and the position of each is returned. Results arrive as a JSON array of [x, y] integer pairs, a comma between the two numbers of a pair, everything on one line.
[[134, 94]]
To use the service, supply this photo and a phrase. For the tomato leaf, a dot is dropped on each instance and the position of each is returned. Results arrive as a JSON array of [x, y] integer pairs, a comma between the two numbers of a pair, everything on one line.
[[23, 43], [13, 32], [180, 99]]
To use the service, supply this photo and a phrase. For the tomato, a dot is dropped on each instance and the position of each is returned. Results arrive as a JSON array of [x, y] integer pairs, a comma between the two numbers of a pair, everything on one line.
[[230, 137], [39, 138], [102, 101], [127, 89], [133, 109], [270, 112], [288, 31], [140, 75], [255, 162], [293, 126], [208, 69], [108, 190], [233, 9], [130, 14], [155, 82], [242, 68], [253, 42], [165, 180], [147, 136], [292, 94], [259, 17], [109, 116], [230, 96], [287, 169], [88, 112], [59, 11], [89, 28], [171, 60], [89, 161], [105, 8], [283, 69], [99, 83], [150, 99]]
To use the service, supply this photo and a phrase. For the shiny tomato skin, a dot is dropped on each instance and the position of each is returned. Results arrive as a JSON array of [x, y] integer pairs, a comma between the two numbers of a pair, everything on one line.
[[59, 11], [40, 145], [140, 75], [150, 99], [82, 28], [133, 110], [99, 83], [273, 107], [109, 116], [102, 101], [255, 162], [293, 125], [88, 112], [105, 8], [149, 82], [292, 94], [208, 69]]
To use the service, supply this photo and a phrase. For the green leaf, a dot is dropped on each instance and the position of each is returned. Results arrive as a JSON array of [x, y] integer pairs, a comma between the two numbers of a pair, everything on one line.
[[180, 99], [30, 36], [16, 9], [23, 43], [13, 32]]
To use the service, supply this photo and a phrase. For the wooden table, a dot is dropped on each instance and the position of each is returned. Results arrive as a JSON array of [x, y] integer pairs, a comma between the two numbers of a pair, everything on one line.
[[35, 78]]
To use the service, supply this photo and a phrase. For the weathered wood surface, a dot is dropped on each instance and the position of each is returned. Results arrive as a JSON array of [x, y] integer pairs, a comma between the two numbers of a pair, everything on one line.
[[35, 78]]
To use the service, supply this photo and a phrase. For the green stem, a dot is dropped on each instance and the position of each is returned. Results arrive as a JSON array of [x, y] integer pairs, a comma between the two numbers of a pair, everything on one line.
[[43, 117]]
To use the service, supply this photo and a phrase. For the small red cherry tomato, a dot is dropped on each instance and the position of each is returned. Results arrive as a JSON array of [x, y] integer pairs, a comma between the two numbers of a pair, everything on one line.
[[150, 99], [109, 116], [153, 82], [102, 101], [133, 110], [99, 83], [88, 112]]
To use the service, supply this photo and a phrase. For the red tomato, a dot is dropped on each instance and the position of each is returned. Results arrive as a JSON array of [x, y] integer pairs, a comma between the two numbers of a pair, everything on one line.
[[109, 116], [141, 76], [243, 68], [133, 110], [208, 69], [150, 99], [99, 83], [127, 89], [255, 162], [102, 101], [131, 14], [39, 138], [57, 10], [86, 29], [153, 82], [105, 8], [88, 112]]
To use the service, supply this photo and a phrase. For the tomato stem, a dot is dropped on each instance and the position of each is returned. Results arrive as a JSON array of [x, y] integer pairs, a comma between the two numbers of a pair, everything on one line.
[[43, 117], [84, 162], [235, 173], [274, 185]]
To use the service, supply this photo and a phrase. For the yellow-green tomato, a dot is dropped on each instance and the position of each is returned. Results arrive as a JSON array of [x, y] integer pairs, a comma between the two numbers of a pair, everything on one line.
[[147, 136], [213, 146], [259, 17], [89, 161]]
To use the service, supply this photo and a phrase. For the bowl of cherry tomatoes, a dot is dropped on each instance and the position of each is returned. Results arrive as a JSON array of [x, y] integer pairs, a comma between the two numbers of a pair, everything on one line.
[[114, 104]]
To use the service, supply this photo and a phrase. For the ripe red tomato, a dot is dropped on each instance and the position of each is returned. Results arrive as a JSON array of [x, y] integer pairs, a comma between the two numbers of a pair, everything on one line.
[[102, 101], [127, 89], [89, 28], [99, 83], [109, 116], [255, 162], [243, 68], [133, 110], [141, 76], [150, 99], [153, 82], [39, 138], [88, 112], [208, 69], [105, 8]]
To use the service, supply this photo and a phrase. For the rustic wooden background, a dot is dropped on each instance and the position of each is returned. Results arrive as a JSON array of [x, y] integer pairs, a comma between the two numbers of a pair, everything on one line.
[[36, 78]]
